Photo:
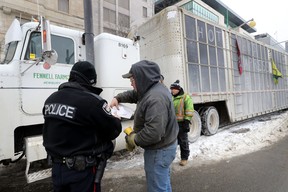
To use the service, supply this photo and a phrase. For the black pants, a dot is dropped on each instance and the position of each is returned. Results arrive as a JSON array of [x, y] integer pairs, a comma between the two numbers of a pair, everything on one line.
[[183, 142], [70, 180]]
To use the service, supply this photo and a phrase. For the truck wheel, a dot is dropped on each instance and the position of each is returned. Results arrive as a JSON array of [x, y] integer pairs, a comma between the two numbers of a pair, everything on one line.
[[195, 128], [210, 120]]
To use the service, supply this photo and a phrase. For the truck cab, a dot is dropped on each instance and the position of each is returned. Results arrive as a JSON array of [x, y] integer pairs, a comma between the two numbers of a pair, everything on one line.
[[28, 78]]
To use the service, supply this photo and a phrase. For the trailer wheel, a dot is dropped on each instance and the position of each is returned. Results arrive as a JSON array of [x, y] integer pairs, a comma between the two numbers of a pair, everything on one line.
[[195, 127], [210, 120]]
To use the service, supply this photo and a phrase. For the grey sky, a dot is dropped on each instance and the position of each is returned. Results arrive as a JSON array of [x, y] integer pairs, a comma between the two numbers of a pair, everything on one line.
[[270, 16]]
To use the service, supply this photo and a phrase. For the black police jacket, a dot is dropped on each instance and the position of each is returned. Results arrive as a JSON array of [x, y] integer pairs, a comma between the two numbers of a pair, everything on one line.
[[78, 122]]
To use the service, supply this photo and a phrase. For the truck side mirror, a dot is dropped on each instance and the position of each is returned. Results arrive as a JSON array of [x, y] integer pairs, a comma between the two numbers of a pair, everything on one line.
[[45, 35], [50, 57]]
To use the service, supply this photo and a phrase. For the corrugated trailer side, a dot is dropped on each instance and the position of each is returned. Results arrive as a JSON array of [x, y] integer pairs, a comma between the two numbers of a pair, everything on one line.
[[207, 58]]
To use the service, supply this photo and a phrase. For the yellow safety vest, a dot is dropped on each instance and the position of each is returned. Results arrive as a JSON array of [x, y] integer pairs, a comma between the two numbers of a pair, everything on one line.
[[184, 108]]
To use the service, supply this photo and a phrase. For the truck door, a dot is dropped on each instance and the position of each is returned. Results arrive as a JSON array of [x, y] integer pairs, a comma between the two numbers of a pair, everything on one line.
[[38, 81]]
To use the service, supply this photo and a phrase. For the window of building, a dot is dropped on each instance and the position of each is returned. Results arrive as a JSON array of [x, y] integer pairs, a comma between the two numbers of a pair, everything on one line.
[[124, 4], [109, 15], [23, 20], [200, 11], [63, 5], [108, 30], [123, 20], [63, 46], [144, 10], [111, 1], [122, 34]]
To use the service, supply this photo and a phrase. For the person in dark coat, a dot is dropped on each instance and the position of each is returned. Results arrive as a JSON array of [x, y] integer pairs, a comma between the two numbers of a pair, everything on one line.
[[155, 126], [78, 131]]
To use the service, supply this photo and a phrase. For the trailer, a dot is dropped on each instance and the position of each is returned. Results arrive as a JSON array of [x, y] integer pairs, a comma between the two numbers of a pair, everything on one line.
[[228, 73]]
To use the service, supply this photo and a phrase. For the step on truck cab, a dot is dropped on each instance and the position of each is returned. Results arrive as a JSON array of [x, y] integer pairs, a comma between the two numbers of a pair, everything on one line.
[[38, 58]]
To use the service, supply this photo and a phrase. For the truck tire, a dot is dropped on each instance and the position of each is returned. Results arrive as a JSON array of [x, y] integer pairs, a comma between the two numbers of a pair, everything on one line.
[[195, 128], [210, 120]]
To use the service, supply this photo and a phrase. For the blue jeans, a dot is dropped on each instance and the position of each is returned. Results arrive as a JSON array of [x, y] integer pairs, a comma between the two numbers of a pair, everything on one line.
[[157, 168]]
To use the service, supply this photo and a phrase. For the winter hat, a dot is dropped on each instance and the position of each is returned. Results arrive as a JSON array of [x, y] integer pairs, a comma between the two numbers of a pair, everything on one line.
[[83, 71], [176, 85]]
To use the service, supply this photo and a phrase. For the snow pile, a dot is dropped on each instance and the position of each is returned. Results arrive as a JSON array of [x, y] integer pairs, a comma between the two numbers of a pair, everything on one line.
[[241, 139], [227, 143]]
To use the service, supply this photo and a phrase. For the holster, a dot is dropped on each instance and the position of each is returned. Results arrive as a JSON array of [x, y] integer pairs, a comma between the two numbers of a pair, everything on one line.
[[100, 168], [79, 163]]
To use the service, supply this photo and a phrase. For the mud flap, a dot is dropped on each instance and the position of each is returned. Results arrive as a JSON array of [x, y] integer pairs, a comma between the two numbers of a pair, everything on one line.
[[35, 151]]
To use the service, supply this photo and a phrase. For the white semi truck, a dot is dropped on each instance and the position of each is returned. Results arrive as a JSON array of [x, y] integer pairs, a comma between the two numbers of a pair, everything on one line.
[[30, 72], [206, 57]]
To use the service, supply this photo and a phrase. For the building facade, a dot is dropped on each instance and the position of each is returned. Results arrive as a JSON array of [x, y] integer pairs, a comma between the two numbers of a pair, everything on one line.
[[120, 16], [112, 16]]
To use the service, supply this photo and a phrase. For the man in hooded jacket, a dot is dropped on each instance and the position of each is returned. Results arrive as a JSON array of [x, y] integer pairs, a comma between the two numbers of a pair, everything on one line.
[[155, 125], [78, 132]]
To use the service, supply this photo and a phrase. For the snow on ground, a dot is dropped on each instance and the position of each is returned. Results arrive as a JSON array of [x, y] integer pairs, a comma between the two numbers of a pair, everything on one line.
[[227, 143]]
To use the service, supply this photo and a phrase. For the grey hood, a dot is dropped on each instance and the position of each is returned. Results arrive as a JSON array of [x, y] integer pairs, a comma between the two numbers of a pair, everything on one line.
[[146, 74]]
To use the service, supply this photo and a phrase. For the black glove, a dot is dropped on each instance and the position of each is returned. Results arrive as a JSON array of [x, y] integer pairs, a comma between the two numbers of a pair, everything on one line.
[[186, 125]]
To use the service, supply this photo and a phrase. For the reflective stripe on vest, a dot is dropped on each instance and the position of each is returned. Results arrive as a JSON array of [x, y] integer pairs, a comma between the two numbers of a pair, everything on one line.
[[180, 111]]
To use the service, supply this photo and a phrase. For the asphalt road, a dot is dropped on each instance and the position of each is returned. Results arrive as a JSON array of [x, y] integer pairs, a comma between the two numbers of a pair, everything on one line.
[[262, 171]]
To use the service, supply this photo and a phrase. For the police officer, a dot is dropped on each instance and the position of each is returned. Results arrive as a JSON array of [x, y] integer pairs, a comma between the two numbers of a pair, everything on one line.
[[78, 131]]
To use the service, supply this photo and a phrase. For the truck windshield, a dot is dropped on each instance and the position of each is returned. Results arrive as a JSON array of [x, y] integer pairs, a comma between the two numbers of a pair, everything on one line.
[[9, 52]]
